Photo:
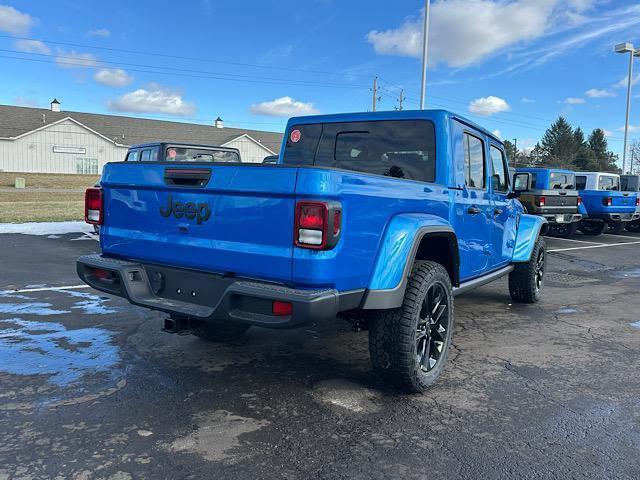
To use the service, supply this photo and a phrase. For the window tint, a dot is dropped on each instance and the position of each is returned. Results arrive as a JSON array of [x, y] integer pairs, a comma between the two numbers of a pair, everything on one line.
[[146, 155], [499, 171], [561, 181], [473, 162], [534, 180], [186, 154], [581, 182], [393, 148], [608, 183], [132, 156]]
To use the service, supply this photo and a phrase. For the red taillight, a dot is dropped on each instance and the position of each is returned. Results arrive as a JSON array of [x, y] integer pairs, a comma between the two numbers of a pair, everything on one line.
[[93, 206], [607, 201], [579, 201], [317, 224], [281, 309], [542, 201]]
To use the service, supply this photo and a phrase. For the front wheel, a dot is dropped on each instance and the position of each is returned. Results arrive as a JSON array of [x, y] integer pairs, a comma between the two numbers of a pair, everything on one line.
[[527, 279], [592, 228], [409, 345], [633, 227]]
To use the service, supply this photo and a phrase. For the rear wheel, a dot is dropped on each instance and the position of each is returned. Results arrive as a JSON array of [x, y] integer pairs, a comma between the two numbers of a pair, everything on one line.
[[616, 228], [592, 228], [220, 332], [633, 226], [526, 281], [409, 345]]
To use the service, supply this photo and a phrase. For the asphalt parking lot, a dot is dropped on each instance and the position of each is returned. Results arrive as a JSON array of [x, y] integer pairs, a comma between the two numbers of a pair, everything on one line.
[[91, 388]]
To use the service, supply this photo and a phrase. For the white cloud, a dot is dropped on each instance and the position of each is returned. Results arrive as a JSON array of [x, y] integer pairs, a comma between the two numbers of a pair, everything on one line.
[[497, 133], [459, 34], [488, 105], [283, 107], [573, 101], [632, 129], [154, 99], [527, 100], [99, 32], [32, 46], [607, 133], [14, 22], [113, 77], [597, 93], [74, 59], [21, 101], [625, 80]]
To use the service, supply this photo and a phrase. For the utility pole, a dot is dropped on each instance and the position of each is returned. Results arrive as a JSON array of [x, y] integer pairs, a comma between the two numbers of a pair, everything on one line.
[[375, 93], [401, 99], [425, 48]]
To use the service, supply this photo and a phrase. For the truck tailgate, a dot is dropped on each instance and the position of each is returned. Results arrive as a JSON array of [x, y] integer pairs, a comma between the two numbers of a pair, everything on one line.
[[229, 219]]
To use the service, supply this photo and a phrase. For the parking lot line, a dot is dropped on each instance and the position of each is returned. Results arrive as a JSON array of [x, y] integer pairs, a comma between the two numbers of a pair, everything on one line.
[[601, 245], [577, 241], [44, 289], [621, 236]]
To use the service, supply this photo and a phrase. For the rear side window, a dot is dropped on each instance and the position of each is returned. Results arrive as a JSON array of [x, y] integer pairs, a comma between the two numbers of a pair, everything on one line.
[[132, 156], [392, 148], [581, 182], [474, 174], [608, 183], [186, 154]]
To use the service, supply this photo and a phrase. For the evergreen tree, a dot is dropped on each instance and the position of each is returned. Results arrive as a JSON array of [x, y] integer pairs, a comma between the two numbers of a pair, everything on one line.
[[511, 151], [605, 161], [558, 144]]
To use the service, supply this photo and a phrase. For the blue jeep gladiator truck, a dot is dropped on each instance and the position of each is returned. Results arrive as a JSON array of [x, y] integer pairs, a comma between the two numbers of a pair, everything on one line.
[[607, 206], [551, 193], [383, 217]]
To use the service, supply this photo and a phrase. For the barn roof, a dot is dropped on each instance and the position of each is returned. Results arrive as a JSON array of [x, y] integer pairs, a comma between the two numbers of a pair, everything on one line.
[[16, 121]]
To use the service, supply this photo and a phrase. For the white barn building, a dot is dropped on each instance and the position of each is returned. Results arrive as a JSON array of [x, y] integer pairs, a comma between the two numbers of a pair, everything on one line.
[[54, 141]]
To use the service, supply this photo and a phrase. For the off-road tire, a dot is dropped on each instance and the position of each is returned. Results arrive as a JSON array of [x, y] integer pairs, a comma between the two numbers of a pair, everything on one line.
[[592, 228], [616, 228], [633, 227], [526, 281], [395, 335], [221, 332]]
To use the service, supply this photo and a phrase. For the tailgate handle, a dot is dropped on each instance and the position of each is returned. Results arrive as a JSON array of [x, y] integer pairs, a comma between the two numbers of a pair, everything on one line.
[[187, 177]]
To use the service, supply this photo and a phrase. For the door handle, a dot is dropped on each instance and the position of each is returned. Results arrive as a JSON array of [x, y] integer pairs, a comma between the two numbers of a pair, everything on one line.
[[497, 211], [473, 210]]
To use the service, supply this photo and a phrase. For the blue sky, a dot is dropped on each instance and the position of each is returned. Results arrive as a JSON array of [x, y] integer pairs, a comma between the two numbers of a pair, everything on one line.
[[513, 66]]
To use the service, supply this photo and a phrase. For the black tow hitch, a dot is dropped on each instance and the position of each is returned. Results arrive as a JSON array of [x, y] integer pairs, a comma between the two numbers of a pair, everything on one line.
[[181, 325]]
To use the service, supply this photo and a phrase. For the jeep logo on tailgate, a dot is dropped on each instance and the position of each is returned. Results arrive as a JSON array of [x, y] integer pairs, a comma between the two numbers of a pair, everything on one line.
[[190, 210]]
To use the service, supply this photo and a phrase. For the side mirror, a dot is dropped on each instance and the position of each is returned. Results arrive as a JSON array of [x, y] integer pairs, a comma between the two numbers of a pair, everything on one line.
[[521, 183]]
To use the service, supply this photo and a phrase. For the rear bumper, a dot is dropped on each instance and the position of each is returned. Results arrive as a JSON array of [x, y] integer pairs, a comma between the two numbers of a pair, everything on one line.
[[562, 218], [210, 297], [615, 217]]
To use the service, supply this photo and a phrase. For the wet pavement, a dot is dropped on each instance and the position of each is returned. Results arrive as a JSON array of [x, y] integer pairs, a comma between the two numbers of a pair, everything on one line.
[[91, 388]]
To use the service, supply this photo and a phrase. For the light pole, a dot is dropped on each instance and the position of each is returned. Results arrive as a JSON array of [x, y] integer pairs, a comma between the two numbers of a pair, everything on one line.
[[627, 48], [425, 48]]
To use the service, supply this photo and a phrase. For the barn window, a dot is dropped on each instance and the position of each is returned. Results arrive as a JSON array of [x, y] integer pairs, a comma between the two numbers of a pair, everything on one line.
[[87, 166]]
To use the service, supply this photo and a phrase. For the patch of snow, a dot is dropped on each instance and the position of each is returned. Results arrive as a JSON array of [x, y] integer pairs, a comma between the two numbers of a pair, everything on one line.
[[46, 228], [93, 304], [635, 324], [30, 309]]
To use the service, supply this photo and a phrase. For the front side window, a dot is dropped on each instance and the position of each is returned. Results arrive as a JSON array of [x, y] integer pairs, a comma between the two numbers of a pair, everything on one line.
[[581, 182], [608, 183], [132, 156], [146, 155], [474, 175], [499, 171]]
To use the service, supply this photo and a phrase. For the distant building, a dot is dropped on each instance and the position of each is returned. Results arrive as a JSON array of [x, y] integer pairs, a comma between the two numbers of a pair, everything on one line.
[[54, 141]]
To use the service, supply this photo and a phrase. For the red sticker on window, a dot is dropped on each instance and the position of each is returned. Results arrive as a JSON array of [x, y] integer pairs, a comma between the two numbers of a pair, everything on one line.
[[295, 136], [171, 153]]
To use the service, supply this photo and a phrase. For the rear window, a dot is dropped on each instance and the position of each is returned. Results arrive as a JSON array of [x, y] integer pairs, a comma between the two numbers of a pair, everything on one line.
[[562, 181], [132, 156], [187, 154], [392, 148], [608, 183]]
